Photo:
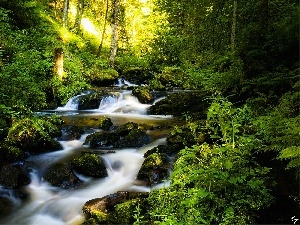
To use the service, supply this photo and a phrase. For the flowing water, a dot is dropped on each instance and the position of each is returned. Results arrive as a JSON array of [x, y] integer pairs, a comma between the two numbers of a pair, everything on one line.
[[52, 205]]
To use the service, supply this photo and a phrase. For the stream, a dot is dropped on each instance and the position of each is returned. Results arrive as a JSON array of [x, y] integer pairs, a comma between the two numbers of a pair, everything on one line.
[[51, 205]]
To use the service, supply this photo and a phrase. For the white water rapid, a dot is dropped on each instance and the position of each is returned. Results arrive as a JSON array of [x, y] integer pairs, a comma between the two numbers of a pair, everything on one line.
[[56, 206], [49, 205]]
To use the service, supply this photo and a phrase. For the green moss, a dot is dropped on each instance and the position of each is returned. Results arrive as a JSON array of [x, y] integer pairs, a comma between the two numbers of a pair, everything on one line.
[[90, 165], [34, 135], [135, 138], [124, 129], [105, 123], [124, 212], [143, 94], [10, 154], [99, 139]]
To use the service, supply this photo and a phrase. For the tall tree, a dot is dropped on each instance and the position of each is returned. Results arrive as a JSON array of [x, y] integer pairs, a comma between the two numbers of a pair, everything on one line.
[[103, 31], [79, 13], [59, 62], [65, 12], [114, 34]]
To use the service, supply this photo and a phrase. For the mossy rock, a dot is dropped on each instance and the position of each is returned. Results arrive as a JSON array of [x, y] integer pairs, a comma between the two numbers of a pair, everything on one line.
[[103, 77], [154, 169], [90, 165], [71, 133], [102, 139], [134, 139], [105, 123], [125, 129], [182, 103], [114, 208], [61, 175], [163, 149], [137, 75], [123, 213], [91, 101], [143, 94], [10, 154], [13, 176], [34, 135]]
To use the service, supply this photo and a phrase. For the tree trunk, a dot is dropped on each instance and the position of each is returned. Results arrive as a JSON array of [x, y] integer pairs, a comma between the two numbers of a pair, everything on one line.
[[80, 7], [65, 13], [233, 29], [59, 62], [103, 32], [114, 35]]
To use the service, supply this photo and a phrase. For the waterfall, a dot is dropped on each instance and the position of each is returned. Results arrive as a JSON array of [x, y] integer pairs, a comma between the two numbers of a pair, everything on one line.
[[121, 82], [107, 102], [72, 104], [125, 103]]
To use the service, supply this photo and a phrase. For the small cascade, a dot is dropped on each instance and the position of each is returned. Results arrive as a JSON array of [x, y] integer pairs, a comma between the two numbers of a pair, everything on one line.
[[125, 103], [72, 104], [108, 101], [121, 82]]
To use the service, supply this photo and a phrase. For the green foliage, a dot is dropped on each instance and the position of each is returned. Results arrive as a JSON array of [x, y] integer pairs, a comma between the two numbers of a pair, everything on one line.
[[125, 212], [101, 77], [214, 183], [227, 122]]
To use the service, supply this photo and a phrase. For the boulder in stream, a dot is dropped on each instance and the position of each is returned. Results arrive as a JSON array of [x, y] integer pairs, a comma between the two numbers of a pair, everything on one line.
[[178, 104], [89, 165], [61, 175], [34, 135], [10, 153], [127, 135], [117, 208], [143, 94], [154, 169], [13, 176]]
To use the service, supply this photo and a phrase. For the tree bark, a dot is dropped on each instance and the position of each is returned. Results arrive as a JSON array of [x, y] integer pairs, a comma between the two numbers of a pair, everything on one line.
[[65, 13], [233, 29], [103, 32], [114, 35], [59, 62], [80, 7]]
